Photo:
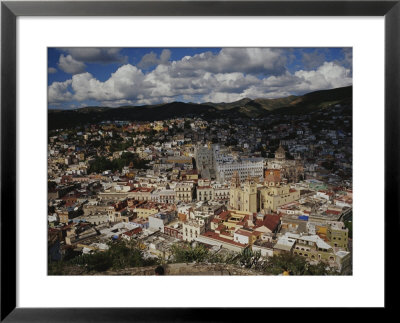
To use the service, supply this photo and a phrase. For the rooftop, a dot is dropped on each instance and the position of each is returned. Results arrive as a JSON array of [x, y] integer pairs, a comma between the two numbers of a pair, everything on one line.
[[311, 238], [213, 235]]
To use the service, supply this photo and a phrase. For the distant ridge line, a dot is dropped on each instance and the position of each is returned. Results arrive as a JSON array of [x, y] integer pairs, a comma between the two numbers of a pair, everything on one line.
[[244, 108]]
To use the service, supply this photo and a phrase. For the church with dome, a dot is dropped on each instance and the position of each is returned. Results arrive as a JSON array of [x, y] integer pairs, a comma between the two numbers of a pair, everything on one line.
[[290, 170]]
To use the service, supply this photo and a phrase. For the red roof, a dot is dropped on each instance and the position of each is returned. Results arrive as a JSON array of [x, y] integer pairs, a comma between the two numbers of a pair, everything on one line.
[[334, 212], [244, 233], [272, 175], [271, 221], [224, 215], [220, 227], [133, 231], [213, 235], [326, 192]]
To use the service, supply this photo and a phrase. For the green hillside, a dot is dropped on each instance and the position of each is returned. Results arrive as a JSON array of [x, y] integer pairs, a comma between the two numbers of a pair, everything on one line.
[[243, 108]]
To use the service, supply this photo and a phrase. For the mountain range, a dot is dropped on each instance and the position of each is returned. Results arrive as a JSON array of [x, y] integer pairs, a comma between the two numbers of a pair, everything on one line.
[[245, 108]]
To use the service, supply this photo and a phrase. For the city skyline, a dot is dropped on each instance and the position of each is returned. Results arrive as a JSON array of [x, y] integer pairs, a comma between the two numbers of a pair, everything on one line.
[[253, 187]]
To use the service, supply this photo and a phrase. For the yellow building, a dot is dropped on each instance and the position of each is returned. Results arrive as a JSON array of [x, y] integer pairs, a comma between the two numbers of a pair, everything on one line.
[[184, 191], [231, 220], [158, 126], [243, 199], [319, 229], [145, 211], [234, 220], [338, 234], [63, 217], [189, 175], [273, 197]]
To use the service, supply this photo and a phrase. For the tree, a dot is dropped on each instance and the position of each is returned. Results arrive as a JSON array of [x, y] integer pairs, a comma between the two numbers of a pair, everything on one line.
[[51, 186], [187, 253], [100, 164], [295, 265], [248, 258], [319, 269], [120, 254], [231, 142], [289, 156], [99, 261], [118, 146], [349, 225], [329, 165], [264, 152]]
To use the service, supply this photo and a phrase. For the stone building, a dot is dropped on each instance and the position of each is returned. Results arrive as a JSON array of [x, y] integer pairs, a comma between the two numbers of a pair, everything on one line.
[[291, 170], [193, 229], [273, 197], [245, 167], [204, 190], [243, 199], [184, 191]]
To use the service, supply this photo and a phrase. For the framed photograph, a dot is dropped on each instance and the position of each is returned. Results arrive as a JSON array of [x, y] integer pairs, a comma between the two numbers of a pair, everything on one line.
[[223, 145]]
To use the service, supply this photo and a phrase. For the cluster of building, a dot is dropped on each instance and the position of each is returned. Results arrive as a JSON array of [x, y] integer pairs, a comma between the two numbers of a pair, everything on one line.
[[199, 189]]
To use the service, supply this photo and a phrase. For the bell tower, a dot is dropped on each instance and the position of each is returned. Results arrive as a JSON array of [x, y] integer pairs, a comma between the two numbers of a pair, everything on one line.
[[280, 153], [235, 192], [235, 181], [250, 195]]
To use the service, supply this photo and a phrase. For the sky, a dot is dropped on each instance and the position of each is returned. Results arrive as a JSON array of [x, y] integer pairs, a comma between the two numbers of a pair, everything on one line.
[[112, 77]]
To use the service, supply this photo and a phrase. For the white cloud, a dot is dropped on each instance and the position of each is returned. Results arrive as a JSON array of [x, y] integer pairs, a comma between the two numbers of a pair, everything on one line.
[[228, 60], [313, 60], [151, 59], [96, 55], [51, 70], [328, 75], [58, 92], [125, 83], [202, 77], [70, 65], [116, 103], [218, 97], [155, 100], [148, 60], [165, 56]]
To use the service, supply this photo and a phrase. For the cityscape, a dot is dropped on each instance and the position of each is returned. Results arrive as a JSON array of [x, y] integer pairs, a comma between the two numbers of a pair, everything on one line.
[[200, 161]]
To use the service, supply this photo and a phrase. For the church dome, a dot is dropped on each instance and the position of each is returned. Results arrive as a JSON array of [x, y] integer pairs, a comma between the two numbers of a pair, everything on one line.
[[280, 153]]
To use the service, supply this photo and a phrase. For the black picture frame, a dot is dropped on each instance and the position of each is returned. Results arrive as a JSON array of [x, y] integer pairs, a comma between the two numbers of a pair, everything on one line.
[[10, 10]]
